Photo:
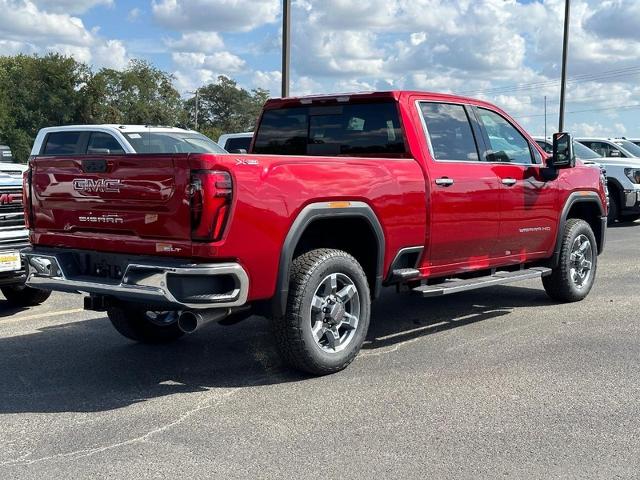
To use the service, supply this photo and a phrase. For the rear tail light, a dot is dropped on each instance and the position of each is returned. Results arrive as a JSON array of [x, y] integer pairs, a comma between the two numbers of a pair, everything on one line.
[[211, 193]]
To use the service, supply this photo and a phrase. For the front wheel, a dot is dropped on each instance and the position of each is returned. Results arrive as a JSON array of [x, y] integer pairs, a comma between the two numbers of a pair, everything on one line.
[[614, 208], [573, 278], [327, 314], [145, 326], [23, 296]]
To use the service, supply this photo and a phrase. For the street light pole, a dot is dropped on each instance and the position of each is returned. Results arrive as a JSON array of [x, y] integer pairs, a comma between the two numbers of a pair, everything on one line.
[[286, 46], [563, 82]]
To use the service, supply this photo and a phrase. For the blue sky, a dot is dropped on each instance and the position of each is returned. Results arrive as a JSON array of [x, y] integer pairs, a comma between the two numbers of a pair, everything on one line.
[[505, 51]]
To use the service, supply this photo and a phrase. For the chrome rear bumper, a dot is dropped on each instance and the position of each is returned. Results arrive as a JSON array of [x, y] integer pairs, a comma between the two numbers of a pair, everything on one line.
[[194, 286]]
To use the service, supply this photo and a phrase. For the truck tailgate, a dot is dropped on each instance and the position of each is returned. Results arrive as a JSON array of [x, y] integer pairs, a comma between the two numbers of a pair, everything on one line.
[[139, 196]]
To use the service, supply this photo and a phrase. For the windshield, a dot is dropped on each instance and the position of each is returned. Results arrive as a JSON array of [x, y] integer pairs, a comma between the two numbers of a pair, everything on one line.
[[632, 148], [172, 142], [584, 153], [6, 156]]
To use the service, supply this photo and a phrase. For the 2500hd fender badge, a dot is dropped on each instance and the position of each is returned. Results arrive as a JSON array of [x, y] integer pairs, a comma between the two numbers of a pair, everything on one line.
[[89, 185]]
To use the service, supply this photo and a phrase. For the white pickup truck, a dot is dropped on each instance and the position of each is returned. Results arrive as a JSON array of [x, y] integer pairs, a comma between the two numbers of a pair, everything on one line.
[[14, 237]]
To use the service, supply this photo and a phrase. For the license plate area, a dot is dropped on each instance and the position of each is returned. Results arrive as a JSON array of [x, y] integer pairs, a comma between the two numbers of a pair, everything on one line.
[[10, 261]]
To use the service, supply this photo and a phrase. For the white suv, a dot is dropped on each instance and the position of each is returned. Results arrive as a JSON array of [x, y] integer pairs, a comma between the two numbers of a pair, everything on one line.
[[611, 147], [120, 140], [236, 142], [623, 180]]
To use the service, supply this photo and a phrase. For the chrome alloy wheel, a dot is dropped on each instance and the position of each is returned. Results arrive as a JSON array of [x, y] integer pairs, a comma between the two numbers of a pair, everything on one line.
[[581, 259], [335, 312]]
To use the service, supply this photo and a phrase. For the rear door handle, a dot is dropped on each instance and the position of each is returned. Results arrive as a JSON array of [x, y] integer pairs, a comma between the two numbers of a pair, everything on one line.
[[509, 182], [444, 181]]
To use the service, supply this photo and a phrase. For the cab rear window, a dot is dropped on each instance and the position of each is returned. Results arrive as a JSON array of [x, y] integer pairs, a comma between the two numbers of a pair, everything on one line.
[[355, 129], [63, 143]]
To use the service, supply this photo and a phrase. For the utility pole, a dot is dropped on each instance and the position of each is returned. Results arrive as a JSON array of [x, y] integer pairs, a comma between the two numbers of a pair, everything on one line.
[[197, 94], [545, 117], [565, 46], [286, 46]]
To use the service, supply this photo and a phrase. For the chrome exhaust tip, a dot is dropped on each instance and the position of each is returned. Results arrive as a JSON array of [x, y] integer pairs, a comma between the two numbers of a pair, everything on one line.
[[191, 320]]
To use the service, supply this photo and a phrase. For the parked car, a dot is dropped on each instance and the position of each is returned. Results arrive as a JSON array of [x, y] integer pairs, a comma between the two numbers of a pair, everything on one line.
[[611, 147], [635, 141], [338, 198], [13, 238], [5, 154], [119, 140], [236, 142], [623, 180]]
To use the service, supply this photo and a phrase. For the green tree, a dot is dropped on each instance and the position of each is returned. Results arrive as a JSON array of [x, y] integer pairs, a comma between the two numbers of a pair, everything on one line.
[[224, 107], [38, 92], [140, 94]]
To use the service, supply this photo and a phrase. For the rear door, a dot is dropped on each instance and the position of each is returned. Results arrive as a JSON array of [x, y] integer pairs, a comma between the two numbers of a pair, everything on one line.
[[529, 215], [143, 196], [464, 191]]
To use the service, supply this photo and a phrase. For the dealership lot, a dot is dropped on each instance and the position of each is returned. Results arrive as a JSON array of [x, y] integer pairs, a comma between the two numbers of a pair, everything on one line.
[[497, 382]]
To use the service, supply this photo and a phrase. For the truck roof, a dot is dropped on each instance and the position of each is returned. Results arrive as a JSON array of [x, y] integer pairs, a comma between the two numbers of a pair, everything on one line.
[[396, 95], [115, 127]]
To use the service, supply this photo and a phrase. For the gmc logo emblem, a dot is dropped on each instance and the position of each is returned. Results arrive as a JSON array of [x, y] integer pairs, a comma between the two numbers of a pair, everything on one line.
[[88, 185], [9, 198]]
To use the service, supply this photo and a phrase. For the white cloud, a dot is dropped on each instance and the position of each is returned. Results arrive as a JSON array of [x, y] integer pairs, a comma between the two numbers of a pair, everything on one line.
[[111, 54], [204, 42], [71, 6], [271, 81], [25, 28], [615, 19], [134, 14], [215, 15], [224, 62]]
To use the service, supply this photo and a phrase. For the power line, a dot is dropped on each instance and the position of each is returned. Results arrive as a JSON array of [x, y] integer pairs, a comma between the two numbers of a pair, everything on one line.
[[587, 77], [619, 107]]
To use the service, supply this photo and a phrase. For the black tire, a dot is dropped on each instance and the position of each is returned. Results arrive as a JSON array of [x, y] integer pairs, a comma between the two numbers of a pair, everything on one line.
[[134, 323], [614, 208], [561, 285], [293, 331], [23, 296]]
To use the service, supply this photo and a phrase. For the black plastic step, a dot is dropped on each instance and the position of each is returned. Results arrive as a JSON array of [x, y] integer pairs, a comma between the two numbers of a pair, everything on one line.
[[498, 278], [402, 274]]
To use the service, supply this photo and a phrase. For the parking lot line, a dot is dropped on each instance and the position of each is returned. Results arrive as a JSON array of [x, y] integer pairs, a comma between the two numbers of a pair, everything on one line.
[[41, 315]]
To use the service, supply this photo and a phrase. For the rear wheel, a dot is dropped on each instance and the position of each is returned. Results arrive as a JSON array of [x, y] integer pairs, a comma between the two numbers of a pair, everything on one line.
[[573, 278], [23, 296], [327, 315], [145, 326]]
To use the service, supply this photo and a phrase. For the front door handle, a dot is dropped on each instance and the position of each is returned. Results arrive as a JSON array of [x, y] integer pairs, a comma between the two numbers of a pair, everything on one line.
[[444, 181], [509, 182]]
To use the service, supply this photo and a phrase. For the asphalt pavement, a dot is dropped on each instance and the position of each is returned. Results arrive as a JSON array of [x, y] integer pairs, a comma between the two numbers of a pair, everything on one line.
[[497, 383]]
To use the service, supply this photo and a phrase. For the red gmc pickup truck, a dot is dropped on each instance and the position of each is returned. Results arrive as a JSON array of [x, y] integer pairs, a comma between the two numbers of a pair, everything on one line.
[[338, 197]]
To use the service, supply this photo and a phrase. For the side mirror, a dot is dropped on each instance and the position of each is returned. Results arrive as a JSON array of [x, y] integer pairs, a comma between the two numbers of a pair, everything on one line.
[[238, 150], [614, 153], [563, 156]]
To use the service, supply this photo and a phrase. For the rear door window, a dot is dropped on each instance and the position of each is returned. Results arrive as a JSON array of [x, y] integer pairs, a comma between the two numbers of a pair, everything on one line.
[[354, 129], [450, 133], [101, 143], [63, 143]]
